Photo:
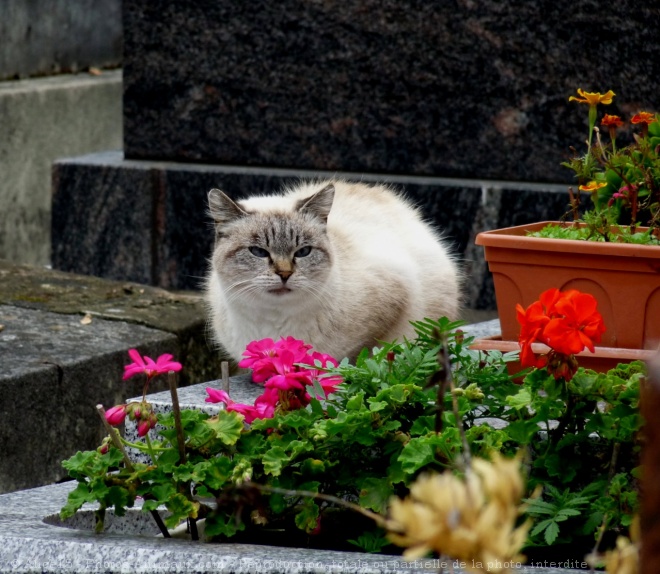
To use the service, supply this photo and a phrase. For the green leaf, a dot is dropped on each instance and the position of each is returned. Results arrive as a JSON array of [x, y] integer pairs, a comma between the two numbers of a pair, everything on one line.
[[217, 472], [541, 526], [77, 497], [181, 508], [355, 403], [416, 454], [522, 431], [422, 425], [551, 533], [371, 541], [375, 493], [218, 524], [308, 517], [184, 472], [274, 459], [521, 400], [227, 426]]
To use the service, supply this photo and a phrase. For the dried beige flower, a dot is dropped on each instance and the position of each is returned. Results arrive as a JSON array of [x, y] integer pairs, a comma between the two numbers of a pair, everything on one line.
[[624, 559], [472, 519]]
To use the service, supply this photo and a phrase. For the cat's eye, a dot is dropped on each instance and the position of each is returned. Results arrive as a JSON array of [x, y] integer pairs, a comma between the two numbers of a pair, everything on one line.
[[258, 251], [303, 251]]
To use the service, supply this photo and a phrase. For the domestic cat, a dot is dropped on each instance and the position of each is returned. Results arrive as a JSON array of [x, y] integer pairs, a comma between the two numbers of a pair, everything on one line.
[[339, 265]]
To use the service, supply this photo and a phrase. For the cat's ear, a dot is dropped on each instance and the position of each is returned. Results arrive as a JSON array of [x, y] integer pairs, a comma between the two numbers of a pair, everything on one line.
[[319, 204], [223, 209]]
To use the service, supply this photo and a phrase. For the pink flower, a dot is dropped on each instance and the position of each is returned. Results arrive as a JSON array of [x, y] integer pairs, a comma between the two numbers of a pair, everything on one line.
[[163, 364], [259, 356], [264, 405], [217, 396], [116, 415], [288, 376], [328, 383]]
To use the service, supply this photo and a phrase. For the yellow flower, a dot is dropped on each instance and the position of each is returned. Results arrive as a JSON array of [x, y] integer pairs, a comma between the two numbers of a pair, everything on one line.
[[593, 98], [472, 519], [592, 186]]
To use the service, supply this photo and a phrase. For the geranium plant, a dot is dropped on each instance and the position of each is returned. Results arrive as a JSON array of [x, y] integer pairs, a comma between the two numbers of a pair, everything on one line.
[[623, 182], [387, 439]]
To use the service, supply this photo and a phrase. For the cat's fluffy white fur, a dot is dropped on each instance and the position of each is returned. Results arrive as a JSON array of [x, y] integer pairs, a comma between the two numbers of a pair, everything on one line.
[[374, 265]]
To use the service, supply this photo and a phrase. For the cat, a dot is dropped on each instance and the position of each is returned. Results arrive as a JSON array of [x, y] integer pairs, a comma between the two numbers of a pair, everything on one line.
[[339, 265]]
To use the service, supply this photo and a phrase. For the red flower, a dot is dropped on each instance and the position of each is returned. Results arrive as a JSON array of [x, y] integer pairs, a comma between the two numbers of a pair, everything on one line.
[[145, 425], [611, 121], [151, 368], [643, 118], [566, 322], [578, 324]]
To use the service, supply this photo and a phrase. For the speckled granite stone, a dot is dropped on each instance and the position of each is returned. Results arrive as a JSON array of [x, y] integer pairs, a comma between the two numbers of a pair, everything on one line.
[[147, 220], [461, 88]]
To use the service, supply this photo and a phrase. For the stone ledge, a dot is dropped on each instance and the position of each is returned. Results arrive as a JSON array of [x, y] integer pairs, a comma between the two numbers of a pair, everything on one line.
[[144, 216], [56, 369]]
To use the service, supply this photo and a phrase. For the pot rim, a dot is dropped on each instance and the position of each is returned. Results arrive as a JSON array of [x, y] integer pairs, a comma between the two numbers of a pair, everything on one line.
[[515, 238]]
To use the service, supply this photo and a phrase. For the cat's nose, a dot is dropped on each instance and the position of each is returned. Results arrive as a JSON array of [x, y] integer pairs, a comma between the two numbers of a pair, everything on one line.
[[284, 274]]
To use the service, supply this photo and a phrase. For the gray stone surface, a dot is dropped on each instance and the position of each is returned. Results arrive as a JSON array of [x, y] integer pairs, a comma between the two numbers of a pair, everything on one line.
[[461, 89], [43, 119], [28, 545], [55, 370], [146, 221], [43, 37], [181, 314]]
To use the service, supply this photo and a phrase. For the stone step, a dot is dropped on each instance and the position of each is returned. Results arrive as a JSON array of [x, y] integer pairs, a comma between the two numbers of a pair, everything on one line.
[[63, 344]]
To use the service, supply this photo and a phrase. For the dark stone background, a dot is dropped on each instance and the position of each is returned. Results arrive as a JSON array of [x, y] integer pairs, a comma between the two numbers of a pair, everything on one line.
[[44, 37], [463, 105], [454, 88]]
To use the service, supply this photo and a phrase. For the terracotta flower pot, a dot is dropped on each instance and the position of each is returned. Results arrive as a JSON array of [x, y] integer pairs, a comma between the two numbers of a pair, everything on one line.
[[624, 278]]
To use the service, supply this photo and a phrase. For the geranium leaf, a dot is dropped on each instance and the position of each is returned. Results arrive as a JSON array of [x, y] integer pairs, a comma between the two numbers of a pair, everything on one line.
[[227, 426]]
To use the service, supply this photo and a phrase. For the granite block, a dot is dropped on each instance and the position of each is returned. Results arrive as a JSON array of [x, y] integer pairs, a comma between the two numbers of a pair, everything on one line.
[[146, 221], [42, 37], [31, 545], [55, 370], [454, 89], [182, 314], [43, 119]]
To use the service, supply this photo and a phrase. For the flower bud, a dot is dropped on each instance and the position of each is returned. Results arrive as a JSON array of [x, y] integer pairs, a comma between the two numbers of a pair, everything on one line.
[[473, 392], [116, 415], [149, 421], [105, 446]]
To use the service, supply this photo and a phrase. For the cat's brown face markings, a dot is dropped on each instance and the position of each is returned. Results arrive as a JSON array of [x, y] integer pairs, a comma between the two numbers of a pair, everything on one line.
[[270, 253], [279, 254]]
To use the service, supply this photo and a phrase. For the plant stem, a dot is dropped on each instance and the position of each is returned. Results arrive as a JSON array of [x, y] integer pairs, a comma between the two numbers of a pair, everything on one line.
[[224, 370], [444, 356], [116, 440], [114, 436], [377, 518], [150, 449], [176, 411], [181, 444]]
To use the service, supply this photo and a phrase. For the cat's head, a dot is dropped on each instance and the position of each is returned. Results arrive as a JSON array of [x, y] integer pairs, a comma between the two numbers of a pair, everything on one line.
[[276, 250]]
